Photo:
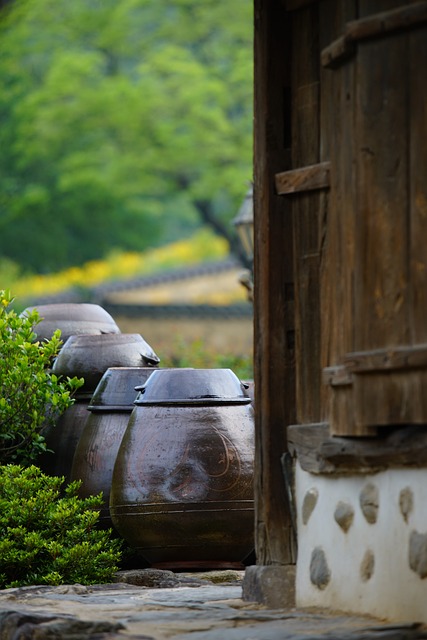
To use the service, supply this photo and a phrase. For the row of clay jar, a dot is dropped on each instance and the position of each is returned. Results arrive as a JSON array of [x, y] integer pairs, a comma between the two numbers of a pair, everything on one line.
[[170, 449]]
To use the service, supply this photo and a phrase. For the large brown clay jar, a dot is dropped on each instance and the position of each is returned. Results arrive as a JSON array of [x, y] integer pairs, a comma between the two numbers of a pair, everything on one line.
[[182, 491]]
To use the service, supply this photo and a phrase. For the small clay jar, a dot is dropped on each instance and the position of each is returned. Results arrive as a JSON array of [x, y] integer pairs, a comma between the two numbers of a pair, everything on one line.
[[72, 318]]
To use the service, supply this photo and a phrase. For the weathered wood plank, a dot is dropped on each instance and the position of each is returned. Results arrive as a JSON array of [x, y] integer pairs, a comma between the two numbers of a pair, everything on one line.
[[390, 358], [338, 376], [381, 274], [305, 179], [337, 52], [373, 26], [387, 22], [306, 210], [274, 361], [338, 246], [335, 136], [416, 75], [381, 292], [392, 398], [320, 453]]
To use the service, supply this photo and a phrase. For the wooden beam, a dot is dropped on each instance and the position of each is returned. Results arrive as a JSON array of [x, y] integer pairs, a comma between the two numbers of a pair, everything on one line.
[[338, 376], [389, 359], [320, 453], [337, 52], [373, 27], [316, 176]]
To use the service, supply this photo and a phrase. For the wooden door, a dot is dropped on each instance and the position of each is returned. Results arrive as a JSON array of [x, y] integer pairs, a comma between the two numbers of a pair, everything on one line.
[[375, 263]]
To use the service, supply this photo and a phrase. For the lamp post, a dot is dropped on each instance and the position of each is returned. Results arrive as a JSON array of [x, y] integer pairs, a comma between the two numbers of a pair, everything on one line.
[[244, 223]]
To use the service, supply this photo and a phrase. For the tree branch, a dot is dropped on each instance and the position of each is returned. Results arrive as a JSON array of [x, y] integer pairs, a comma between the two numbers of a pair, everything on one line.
[[206, 213]]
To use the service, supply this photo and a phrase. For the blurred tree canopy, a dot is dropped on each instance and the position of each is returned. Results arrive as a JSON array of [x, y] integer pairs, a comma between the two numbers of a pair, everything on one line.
[[123, 124]]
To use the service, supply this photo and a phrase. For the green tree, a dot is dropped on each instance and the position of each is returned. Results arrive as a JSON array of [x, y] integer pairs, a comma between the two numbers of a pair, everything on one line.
[[124, 124]]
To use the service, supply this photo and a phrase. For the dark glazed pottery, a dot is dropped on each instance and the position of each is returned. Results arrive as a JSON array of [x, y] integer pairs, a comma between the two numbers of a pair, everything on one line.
[[72, 319], [109, 412], [196, 386], [182, 490], [88, 356]]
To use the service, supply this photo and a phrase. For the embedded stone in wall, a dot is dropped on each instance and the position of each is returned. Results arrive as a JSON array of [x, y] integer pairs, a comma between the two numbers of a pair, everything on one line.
[[418, 553], [309, 502], [406, 502], [369, 502], [367, 566], [344, 515], [320, 574]]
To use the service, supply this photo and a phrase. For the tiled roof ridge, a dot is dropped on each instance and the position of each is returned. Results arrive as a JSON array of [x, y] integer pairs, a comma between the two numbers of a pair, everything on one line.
[[97, 293], [172, 275]]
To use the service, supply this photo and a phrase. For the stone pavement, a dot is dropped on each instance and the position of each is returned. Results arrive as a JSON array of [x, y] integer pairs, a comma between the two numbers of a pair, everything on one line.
[[161, 605]]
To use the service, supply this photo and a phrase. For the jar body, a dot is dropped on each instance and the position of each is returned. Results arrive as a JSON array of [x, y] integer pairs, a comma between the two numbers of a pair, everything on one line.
[[182, 489], [109, 412], [95, 456], [62, 439]]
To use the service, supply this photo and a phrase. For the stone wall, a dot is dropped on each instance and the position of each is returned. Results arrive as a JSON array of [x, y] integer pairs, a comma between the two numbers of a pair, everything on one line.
[[362, 543]]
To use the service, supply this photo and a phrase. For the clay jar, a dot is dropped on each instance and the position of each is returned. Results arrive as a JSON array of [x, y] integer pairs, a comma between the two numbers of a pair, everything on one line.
[[182, 490], [109, 412], [72, 319], [88, 357]]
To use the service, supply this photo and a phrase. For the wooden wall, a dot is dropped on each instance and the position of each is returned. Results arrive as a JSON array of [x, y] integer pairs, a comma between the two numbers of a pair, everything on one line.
[[340, 200]]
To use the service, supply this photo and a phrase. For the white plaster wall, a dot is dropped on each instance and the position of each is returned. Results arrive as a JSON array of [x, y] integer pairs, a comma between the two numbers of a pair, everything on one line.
[[394, 591]]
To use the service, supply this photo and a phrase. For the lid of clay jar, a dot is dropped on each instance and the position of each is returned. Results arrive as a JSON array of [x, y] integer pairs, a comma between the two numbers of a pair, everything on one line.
[[117, 389], [193, 387], [72, 318], [89, 356]]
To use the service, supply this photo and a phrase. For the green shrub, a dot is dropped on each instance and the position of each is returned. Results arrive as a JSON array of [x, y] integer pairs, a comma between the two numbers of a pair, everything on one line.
[[48, 535], [31, 397]]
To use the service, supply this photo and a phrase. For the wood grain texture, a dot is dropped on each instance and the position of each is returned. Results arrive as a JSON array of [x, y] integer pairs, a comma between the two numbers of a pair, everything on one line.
[[373, 26], [388, 359], [338, 255], [306, 210], [320, 453], [305, 179], [391, 398], [381, 277], [274, 356], [381, 273], [417, 105], [386, 329]]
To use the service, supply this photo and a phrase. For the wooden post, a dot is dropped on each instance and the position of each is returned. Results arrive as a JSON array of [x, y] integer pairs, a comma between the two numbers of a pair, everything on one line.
[[273, 279]]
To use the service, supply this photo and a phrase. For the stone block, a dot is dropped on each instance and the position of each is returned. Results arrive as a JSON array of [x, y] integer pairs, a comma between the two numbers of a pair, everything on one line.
[[270, 585]]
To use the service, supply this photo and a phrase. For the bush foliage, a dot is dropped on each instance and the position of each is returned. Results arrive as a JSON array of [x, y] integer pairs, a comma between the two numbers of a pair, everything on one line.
[[31, 397], [48, 535]]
